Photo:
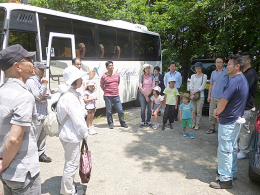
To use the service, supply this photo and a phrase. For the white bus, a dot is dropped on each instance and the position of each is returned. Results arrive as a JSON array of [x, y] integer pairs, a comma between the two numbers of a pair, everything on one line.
[[68, 36]]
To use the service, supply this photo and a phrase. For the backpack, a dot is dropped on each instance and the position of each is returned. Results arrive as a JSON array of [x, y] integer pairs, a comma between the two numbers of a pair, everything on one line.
[[51, 123], [143, 78]]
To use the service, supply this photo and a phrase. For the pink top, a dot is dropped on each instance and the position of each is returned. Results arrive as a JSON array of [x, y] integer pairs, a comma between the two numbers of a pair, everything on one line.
[[109, 84], [157, 100], [148, 83]]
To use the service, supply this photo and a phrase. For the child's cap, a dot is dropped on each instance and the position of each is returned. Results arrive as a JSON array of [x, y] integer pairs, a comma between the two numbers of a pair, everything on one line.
[[172, 79], [185, 95], [91, 84], [157, 88]]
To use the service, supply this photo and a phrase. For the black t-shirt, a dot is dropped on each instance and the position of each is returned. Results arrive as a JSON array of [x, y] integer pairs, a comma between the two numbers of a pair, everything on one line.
[[252, 78]]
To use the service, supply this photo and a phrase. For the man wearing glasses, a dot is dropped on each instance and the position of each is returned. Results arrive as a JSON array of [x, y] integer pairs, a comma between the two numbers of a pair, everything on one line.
[[218, 81], [37, 85], [19, 161]]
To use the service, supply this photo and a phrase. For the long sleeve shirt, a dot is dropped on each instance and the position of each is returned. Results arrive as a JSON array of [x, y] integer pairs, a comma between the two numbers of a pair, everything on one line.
[[75, 128], [176, 75], [110, 84], [198, 83], [146, 83], [38, 90]]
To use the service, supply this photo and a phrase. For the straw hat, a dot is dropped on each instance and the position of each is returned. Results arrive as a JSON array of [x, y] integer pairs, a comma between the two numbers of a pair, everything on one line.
[[71, 74], [185, 95], [146, 65]]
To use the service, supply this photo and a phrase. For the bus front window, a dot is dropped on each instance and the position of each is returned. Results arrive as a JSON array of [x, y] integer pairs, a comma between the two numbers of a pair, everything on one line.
[[2, 17]]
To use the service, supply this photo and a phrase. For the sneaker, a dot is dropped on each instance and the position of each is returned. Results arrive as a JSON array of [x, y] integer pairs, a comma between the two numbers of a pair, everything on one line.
[[171, 127], [191, 136], [111, 126], [155, 127], [124, 125], [241, 156], [149, 124], [92, 131], [163, 127], [221, 184], [142, 124], [44, 158], [196, 127], [184, 134]]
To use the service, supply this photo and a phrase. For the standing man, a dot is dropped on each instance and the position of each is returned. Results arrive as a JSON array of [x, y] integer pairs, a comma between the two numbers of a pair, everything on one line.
[[178, 82], [218, 81], [19, 161], [109, 83], [229, 110], [37, 85], [245, 134]]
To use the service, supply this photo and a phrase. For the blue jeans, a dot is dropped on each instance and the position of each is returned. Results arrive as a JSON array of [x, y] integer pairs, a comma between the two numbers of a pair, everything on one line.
[[227, 150], [145, 104], [114, 100]]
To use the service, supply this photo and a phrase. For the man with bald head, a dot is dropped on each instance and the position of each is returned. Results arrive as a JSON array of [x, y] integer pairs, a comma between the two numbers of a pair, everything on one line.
[[19, 162]]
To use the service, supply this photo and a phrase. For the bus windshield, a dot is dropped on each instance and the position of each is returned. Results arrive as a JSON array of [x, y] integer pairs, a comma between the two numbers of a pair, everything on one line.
[[2, 17]]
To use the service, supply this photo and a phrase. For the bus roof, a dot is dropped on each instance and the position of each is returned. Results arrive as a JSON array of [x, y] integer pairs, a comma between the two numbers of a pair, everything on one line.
[[114, 23]]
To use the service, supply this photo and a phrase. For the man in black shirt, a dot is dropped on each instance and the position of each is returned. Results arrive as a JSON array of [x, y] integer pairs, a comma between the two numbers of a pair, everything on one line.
[[245, 134]]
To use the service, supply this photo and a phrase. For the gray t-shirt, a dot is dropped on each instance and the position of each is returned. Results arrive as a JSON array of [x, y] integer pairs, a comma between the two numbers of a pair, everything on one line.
[[17, 107]]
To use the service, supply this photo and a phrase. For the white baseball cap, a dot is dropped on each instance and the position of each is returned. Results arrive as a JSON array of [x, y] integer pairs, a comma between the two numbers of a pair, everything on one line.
[[157, 88]]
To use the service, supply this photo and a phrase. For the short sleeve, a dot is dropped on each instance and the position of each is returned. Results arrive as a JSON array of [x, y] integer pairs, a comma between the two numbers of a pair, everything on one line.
[[181, 106], [177, 92], [161, 98], [23, 109], [152, 98], [191, 106], [229, 91], [211, 77]]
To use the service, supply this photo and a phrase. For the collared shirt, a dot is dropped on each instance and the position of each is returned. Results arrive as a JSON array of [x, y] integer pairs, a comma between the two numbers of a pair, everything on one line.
[[110, 84], [176, 75], [75, 128], [219, 80], [146, 83], [38, 90], [17, 107]]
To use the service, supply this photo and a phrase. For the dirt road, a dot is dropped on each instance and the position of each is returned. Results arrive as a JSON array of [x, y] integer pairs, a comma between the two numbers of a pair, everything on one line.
[[143, 161]]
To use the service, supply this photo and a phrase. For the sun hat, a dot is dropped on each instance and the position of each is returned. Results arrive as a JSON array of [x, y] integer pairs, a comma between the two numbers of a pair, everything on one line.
[[157, 88], [172, 79], [198, 65], [91, 83], [185, 95], [12, 54], [71, 74], [146, 65]]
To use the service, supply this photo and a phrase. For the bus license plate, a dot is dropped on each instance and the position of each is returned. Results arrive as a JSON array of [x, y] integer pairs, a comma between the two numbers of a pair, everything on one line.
[[207, 86]]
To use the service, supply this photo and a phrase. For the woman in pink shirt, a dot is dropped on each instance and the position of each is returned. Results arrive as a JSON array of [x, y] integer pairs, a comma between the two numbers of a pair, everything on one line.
[[146, 85]]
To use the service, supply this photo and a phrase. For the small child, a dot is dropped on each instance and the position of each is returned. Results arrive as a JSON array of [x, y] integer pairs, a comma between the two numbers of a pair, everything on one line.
[[186, 114], [90, 98], [170, 103], [156, 104]]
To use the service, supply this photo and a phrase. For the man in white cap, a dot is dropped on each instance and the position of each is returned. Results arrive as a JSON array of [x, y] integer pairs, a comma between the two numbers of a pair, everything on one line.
[[19, 161], [37, 85]]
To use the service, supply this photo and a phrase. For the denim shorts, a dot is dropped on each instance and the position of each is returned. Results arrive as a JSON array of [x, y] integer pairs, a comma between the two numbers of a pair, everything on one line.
[[155, 106]]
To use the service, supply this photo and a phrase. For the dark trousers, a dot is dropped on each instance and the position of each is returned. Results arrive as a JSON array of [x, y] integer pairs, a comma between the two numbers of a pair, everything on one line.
[[169, 113], [177, 110]]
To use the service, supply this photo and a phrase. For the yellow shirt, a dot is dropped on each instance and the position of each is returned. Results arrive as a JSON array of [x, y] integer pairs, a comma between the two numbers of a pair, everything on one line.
[[171, 95]]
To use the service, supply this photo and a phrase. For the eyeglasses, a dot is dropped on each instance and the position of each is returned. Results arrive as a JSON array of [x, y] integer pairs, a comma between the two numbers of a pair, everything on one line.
[[27, 60]]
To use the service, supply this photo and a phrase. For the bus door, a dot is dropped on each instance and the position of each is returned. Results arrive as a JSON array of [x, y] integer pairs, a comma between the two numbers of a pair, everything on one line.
[[60, 45]]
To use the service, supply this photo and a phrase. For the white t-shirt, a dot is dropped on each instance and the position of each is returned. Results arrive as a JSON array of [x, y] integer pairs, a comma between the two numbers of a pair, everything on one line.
[[91, 104], [198, 83], [157, 100]]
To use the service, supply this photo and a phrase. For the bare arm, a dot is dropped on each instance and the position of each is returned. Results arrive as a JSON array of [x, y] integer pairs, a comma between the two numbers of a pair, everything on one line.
[[221, 106], [210, 89], [12, 145]]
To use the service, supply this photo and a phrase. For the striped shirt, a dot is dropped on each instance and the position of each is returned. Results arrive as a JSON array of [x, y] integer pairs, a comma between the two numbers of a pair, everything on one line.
[[17, 107], [38, 90], [110, 84]]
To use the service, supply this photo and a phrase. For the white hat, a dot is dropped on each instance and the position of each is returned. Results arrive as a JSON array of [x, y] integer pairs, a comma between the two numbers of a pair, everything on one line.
[[147, 65], [71, 74], [172, 79], [91, 84], [157, 88]]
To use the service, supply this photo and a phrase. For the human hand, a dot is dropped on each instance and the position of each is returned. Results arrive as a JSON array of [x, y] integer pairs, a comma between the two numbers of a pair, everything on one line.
[[147, 99], [192, 97], [180, 118], [164, 105], [44, 81], [46, 95], [209, 99], [215, 114], [95, 69], [176, 106]]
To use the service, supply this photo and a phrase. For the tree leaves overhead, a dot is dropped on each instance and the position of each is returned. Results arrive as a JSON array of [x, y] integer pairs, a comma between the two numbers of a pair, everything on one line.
[[189, 29]]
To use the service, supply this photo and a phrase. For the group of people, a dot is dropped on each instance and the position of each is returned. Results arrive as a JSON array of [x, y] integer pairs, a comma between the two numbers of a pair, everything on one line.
[[23, 105]]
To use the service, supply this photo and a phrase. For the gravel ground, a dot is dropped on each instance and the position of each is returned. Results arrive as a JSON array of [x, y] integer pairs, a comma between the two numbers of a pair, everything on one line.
[[144, 161]]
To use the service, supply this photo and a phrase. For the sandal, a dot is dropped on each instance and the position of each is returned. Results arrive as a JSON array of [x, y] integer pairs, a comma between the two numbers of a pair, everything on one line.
[[211, 131]]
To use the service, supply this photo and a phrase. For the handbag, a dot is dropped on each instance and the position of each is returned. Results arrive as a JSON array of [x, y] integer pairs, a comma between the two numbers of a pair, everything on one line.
[[197, 95], [85, 163]]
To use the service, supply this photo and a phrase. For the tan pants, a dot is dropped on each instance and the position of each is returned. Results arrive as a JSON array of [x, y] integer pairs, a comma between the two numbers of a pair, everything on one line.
[[198, 105], [212, 106]]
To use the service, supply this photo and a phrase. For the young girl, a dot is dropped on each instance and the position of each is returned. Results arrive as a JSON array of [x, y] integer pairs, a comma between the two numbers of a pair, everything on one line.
[[156, 104], [186, 114], [170, 103], [90, 98]]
